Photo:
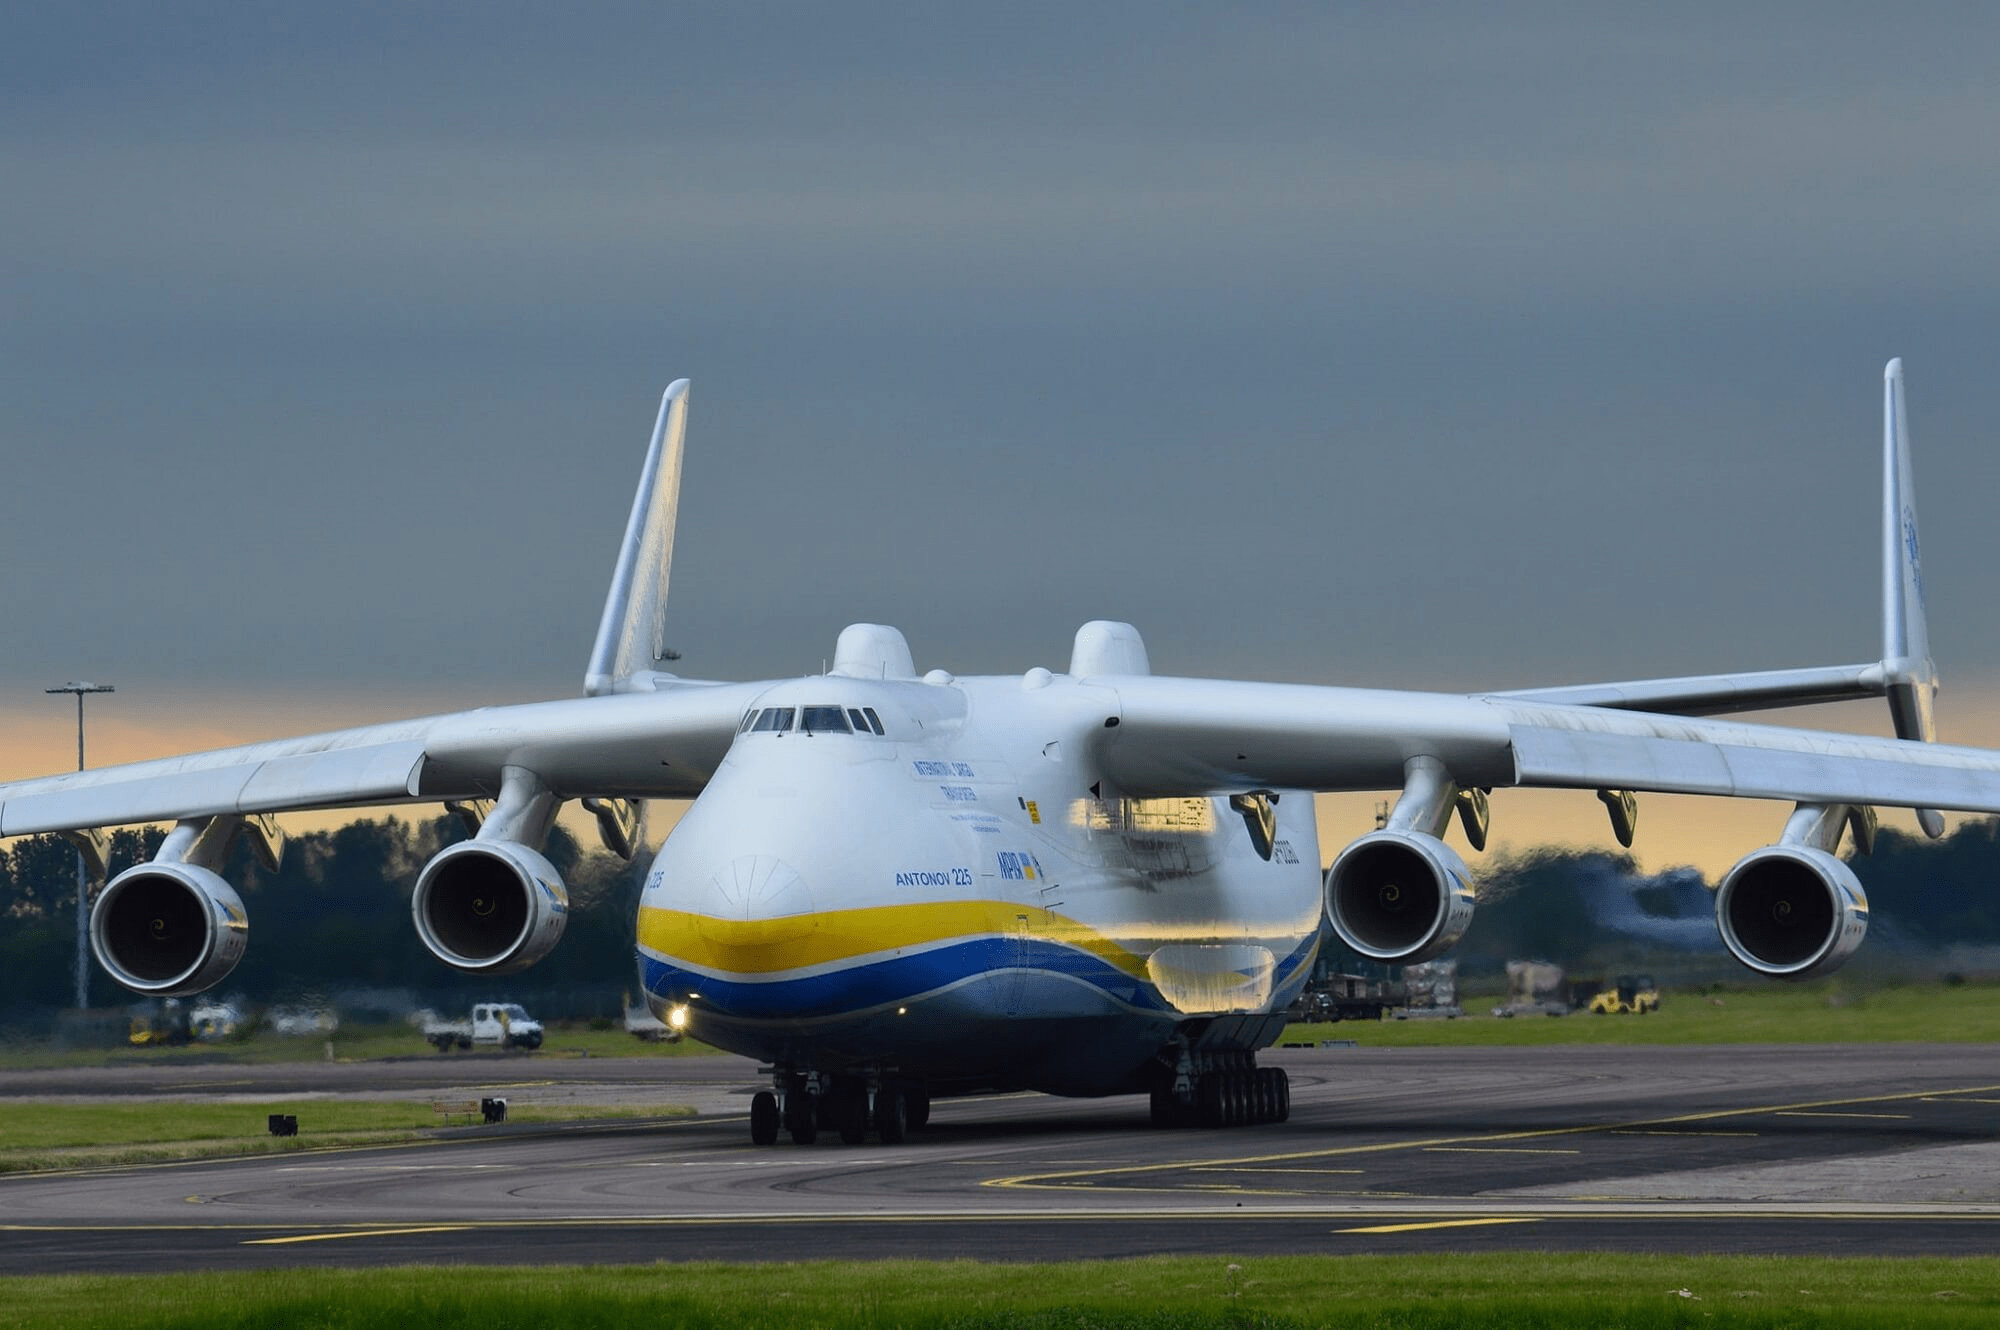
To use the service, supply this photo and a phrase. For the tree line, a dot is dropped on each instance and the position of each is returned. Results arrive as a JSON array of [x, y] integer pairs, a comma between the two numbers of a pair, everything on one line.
[[336, 915]]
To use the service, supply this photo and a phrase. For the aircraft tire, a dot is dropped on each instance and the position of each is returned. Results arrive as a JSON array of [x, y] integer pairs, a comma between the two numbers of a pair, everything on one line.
[[1165, 1109], [802, 1117], [892, 1114], [1281, 1081], [1208, 1101], [763, 1118], [851, 1114], [917, 1101]]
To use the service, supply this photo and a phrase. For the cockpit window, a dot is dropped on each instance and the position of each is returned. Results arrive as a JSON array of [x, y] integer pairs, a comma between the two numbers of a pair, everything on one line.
[[823, 720], [874, 721], [860, 721], [748, 716], [774, 718]]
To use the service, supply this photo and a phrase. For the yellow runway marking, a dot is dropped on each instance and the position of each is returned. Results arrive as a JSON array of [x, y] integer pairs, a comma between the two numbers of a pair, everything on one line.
[[1641, 1131], [1436, 1223], [1070, 1178], [364, 1233], [1797, 1113], [1237, 1168], [1939, 1099]]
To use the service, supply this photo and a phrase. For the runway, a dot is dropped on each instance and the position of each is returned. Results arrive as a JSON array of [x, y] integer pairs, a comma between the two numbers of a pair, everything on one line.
[[1876, 1150]]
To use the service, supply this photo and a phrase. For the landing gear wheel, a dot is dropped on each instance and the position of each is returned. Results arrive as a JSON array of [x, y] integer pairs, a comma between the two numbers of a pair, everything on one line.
[[917, 1103], [892, 1115], [802, 1117], [1208, 1101], [764, 1118], [1166, 1109], [853, 1110], [1282, 1080]]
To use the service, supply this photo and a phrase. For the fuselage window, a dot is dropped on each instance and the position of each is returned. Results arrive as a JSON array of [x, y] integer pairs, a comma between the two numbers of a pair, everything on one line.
[[774, 719], [874, 721], [823, 720], [860, 724]]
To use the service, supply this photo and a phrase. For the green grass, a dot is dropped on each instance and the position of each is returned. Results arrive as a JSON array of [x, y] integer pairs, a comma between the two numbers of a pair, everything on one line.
[[36, 1137], [1826, 1013], [1601, 1292], [366, 1043]]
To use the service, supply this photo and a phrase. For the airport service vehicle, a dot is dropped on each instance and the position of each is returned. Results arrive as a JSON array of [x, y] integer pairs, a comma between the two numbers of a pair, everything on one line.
[[896, 883], [1633, 994], [505, 1024]]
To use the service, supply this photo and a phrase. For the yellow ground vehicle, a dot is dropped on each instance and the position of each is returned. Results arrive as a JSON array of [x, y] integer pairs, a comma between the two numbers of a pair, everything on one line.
[[163, 1025], [1633, 993]]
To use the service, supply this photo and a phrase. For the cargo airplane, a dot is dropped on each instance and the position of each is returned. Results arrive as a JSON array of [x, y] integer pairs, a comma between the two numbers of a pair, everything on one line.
[[892, 884]]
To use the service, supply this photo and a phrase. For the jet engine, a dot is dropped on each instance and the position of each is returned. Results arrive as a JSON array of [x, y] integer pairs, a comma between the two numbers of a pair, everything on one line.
[[168, 929], [489, 907], [1399, 896], [1791, 911]]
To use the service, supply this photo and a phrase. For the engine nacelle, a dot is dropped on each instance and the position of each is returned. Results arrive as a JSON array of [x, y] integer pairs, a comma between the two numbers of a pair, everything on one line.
[[1399, 896], [1791, 911], [489, 907], [168, 929]]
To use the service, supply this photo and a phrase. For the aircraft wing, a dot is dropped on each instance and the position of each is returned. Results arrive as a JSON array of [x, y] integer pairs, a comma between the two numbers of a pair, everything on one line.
[[1196, 736], [1720, 694], [662, 744]]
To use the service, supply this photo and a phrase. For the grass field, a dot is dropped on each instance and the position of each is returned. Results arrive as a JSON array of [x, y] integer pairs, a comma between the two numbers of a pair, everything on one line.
[[364, 1043], [36, 1137], [1826, 1013], [1831, 1011], [1405, 1292]]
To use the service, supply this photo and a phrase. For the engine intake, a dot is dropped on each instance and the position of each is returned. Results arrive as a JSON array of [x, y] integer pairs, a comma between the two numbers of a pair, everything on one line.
[[1791, 911], [170, 930], [489, 907], [1399, 896]]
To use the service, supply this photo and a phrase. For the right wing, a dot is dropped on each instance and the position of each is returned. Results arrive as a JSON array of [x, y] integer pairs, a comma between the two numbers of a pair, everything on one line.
[[663, 744]]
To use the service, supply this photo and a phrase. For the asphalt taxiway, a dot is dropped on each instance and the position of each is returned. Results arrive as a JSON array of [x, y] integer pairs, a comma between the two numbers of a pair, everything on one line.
[[1874, 1149]]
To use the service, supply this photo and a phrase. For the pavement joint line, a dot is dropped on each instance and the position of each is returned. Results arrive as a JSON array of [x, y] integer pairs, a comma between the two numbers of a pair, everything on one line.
[[1032, 1181], [1493, 1150], [1596, 1212], [1439, 1223], [367, 1233]]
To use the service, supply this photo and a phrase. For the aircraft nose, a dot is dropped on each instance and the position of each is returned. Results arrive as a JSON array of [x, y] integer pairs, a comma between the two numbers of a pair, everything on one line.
[[756, 887]]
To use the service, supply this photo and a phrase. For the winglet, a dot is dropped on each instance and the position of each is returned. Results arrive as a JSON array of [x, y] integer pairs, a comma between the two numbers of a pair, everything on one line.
[[1907, 667], [631, 636]]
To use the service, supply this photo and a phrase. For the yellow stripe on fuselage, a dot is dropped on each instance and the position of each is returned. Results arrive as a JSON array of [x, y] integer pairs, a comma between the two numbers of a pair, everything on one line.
[[795, 942]]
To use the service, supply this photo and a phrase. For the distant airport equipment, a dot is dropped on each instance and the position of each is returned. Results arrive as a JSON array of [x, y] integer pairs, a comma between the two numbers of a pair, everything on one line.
[[1632, 994], [1430, 990], [894, 884], [504, 1024], [1534, 988]]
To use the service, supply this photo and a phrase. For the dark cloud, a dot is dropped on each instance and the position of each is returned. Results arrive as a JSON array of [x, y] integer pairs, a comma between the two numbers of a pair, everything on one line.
[[1435, 347]]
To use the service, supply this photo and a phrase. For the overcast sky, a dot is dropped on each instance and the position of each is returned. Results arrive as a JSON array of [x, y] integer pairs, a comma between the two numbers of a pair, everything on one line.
[[1388, 345]]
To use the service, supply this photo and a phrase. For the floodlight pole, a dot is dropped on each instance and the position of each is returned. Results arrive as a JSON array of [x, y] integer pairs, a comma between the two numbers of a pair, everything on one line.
[[82, 872]]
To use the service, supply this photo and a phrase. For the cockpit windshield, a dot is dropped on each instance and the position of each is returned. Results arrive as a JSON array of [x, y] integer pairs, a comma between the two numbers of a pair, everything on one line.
[[824, 720], [828, 719]]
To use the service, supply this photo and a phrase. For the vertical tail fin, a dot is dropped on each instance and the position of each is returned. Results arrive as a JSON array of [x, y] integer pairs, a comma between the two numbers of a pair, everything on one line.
[[1906, 648], [631, 637]]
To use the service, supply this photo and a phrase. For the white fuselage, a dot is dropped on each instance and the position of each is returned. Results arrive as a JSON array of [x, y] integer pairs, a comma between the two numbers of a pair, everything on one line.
[[963, 899]]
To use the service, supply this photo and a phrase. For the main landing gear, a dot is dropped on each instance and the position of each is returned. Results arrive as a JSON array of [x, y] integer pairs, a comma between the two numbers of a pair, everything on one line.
[[805, 1103], [1223, 1096]]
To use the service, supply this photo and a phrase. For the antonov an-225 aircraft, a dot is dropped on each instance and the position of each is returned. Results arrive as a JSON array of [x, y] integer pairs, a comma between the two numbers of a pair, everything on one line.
[[1101, 881]]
